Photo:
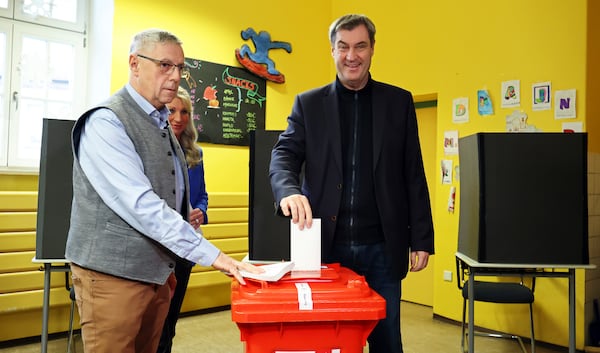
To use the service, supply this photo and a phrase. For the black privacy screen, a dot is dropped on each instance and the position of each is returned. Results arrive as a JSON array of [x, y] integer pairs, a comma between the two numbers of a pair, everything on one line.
[[523, 198]]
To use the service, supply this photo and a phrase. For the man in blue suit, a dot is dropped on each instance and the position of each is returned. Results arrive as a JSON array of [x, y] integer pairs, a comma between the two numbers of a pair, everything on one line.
[[357, 140]]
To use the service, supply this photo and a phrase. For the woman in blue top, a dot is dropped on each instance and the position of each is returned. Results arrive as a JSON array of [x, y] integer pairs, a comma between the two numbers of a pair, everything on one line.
[[183, 128]]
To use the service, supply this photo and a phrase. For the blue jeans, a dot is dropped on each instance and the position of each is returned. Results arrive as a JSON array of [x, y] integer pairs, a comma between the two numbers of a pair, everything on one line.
[[370, 261]]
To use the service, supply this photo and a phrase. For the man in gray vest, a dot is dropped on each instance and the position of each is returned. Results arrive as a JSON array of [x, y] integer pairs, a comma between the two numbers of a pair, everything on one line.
[[129, 218]]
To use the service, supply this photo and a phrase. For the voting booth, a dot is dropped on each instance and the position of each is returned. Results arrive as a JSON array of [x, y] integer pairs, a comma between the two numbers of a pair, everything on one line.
[[268, 233], [333, 312], [55, 190], [523, 198]]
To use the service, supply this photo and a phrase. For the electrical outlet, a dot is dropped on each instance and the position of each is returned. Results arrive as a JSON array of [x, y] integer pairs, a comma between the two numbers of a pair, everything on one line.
[[448, 276]]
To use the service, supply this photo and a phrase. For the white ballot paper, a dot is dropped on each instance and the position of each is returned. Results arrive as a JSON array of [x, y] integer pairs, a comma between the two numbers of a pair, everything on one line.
[[273, 272], [305, 246]]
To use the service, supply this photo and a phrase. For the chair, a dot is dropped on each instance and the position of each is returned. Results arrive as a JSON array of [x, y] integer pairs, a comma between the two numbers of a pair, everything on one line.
[[496, 292]]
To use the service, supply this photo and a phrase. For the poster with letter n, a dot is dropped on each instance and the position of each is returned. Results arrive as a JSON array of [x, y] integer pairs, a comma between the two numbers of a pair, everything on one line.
[[228, 102], [55, 190]]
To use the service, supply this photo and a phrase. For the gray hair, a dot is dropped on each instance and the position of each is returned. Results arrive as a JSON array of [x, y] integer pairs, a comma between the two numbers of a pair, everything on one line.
[[349, 22], [151, 37]]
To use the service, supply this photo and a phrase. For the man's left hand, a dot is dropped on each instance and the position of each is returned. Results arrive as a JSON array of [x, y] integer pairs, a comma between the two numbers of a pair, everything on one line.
[[418, 260]]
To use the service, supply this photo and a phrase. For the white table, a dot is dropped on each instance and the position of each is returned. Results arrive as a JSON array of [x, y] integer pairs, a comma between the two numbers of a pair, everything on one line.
[[535, 270]]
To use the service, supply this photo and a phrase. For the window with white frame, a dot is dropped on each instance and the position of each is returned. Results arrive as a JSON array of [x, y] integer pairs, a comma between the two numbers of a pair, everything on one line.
[[42, 73]]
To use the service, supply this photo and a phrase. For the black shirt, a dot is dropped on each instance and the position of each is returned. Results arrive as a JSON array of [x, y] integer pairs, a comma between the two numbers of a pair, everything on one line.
[[358, 219]]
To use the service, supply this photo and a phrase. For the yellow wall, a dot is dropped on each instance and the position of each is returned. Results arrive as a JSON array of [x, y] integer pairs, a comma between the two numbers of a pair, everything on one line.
[[16, 182], [212, 33], [417, 287], [593, 75], [454, 48], [448, 48]]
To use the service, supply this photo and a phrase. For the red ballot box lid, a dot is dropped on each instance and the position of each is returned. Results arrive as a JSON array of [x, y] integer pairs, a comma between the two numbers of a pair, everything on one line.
[[336, 294]]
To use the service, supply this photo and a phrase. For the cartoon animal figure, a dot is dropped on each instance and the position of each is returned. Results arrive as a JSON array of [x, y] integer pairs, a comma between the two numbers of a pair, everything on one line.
[[255, 61]]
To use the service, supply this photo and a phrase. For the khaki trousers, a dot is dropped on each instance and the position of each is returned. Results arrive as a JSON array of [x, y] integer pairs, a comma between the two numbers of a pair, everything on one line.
[[119, 315]]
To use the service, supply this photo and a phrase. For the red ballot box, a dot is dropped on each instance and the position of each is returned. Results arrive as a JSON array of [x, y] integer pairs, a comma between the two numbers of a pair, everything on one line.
[[330, 313]]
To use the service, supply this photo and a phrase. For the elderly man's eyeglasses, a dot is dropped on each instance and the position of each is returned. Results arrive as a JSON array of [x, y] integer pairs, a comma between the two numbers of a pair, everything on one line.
[[166, 67]]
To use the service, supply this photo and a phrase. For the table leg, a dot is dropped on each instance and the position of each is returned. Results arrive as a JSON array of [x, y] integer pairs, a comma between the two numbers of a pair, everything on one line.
[[572, 331], [471, 290], [46, 306]]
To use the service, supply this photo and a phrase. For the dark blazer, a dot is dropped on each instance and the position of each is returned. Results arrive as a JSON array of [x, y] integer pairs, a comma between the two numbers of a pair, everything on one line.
[[198, 194], [312, 141]]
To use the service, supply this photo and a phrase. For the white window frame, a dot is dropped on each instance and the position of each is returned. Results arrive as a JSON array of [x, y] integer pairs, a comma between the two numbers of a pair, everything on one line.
[[7, 11], [15, 23], [5, 28], [77, 26], [51, 34]]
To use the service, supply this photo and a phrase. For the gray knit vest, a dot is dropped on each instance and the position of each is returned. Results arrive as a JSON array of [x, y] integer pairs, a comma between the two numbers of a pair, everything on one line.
[[98, 238]]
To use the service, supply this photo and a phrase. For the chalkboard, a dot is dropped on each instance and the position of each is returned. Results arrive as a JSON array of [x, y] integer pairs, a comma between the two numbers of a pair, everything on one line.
[[55, 190], [268, 234], [228, 102]]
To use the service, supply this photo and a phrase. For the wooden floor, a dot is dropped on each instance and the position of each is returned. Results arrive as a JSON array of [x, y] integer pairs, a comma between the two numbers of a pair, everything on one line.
[[217, 333]]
